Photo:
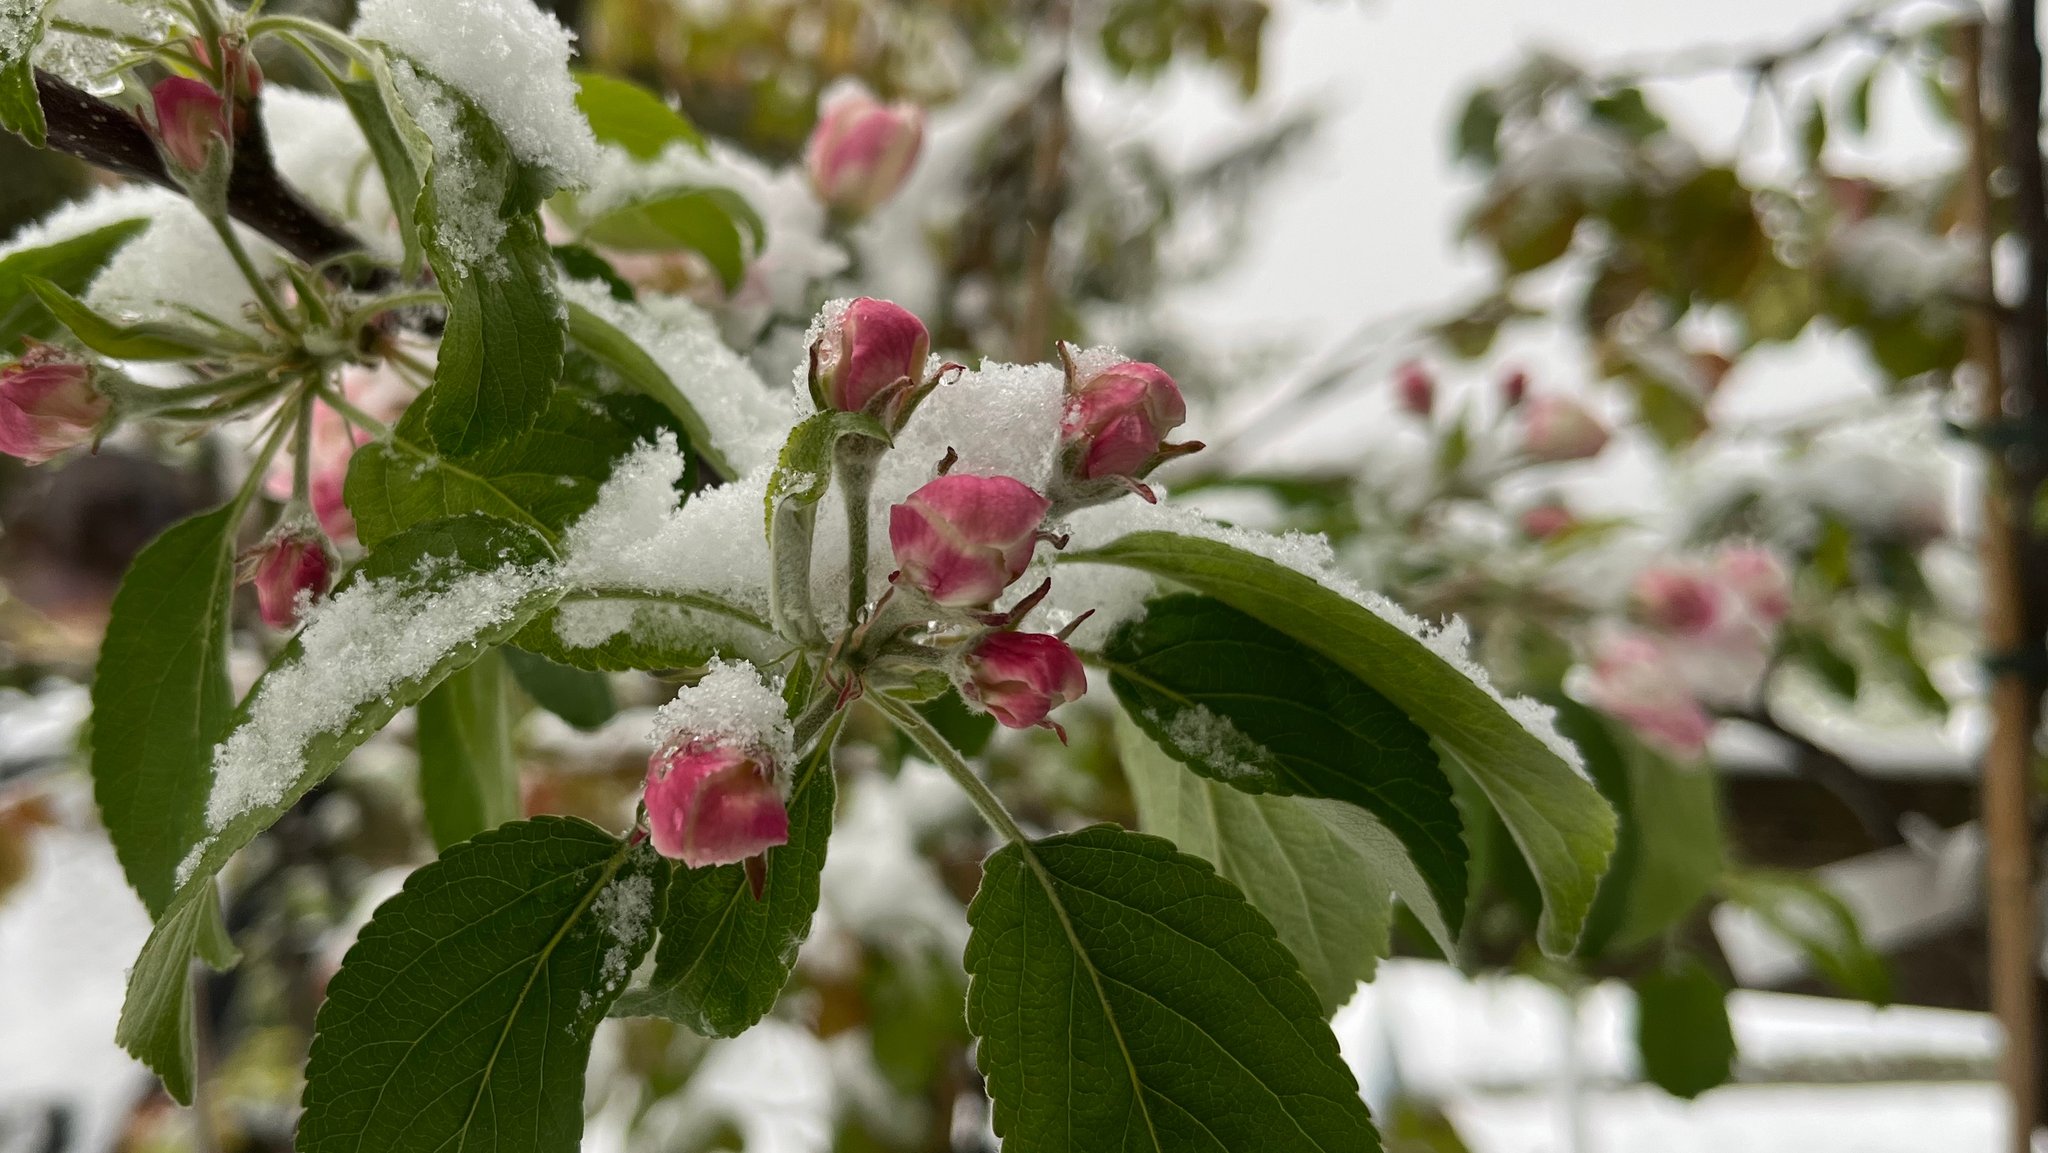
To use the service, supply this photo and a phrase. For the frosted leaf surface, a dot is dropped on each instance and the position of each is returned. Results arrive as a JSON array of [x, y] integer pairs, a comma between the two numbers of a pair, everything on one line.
[[730, 707], [1311, 556], [320, 151], [1225, 750], [623, 913], [747, 422], [640, 536], [89, 61], [358, 646], [509, 57], [177, 268], [467, 193], [19, 20]]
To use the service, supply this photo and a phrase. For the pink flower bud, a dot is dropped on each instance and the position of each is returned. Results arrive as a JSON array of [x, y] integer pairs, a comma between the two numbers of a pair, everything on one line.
[[1415, 388], [1755, 575], [1557, 428], [862, 149], [1116, 420], [1634, 681], [1020, 677], [1513, 388], [48, 404], [190, 117], [1679, 599], [874, 345], [714, 804], [1547, 520], [291, 570], [962, 539]]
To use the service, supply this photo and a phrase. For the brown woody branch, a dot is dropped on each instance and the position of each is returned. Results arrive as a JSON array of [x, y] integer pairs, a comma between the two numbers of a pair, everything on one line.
[[1857, 793], [95, 131]]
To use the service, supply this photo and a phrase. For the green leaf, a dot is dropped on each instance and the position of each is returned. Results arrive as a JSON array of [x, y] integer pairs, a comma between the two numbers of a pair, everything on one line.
[[803, 473], [578, 696], [469, 775], [1807, 914], [1682, 1029], [161, 699], [501, 352], [69, 264], [462, 1017], [623, 113], [149, 340], [21, 110], [1560, 822], [156, 1017], [715, 223], [1248, 706], [396, 145], [1326, 904], [1126, 997], [1478, 132], [677, 632], [725, 956], [543, 479], [582, 263], [424, 561]]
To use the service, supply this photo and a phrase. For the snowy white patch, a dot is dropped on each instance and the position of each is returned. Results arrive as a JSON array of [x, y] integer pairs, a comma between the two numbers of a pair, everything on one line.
[[1901, 266], [90, 62], [640, 536], [358, 646], [747, 422], [20, 20], [178, 269], [467, 194], [320, 151], [104, 207], [877, 886], [730, 706], [624, 914], [1228, 752], [509, 57]]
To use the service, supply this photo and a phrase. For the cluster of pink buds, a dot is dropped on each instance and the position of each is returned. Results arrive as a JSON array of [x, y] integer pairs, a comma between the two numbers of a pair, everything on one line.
[[1702, 639], [49, 404], [291, 569], [862, 150]]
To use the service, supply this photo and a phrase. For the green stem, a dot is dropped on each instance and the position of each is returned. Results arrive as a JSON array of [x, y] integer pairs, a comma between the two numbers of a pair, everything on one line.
[[383, 304], [789, 577], [824, 705], [954, 762], [856, 457], [260, 468], [265, 296], [356, 416], [302, 453], [293, 27]]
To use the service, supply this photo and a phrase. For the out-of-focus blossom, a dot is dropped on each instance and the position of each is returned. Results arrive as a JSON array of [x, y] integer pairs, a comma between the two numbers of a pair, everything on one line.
[[48, 404], [291, 570], [1415, 389], [1558, 428], [1681, 599], [1759, 579], [378, 392], [862, 149], [961, 540], [1547, 520], [1634, 681], [1514, 388]]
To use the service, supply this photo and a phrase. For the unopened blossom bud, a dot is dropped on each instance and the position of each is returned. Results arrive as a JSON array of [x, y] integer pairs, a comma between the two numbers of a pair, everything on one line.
[[1117, 419], [1634, 681], [714, 804], [1547, 520], [1755, 575], [1514, 388], [1558, 428], [962, 539], [1021, 677], [1679, 599], [862, 149], [291, 570], [1415, 388], [874, 347], [190, 118], [48, 404]]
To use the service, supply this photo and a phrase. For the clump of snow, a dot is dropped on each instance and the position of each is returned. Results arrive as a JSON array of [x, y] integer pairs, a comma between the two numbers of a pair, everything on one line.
[[358, 646], [746, 422], [102, 208], [20, 21], [730, 706], [467, 194], [320, 151], [640, 536], [1311, 556], [93, 62], [1226, 750], [659, 626], [877, 886], [624, 914], [1089, 361], [1003, 420], [177, 269], [509, 57], [1899, 265]]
